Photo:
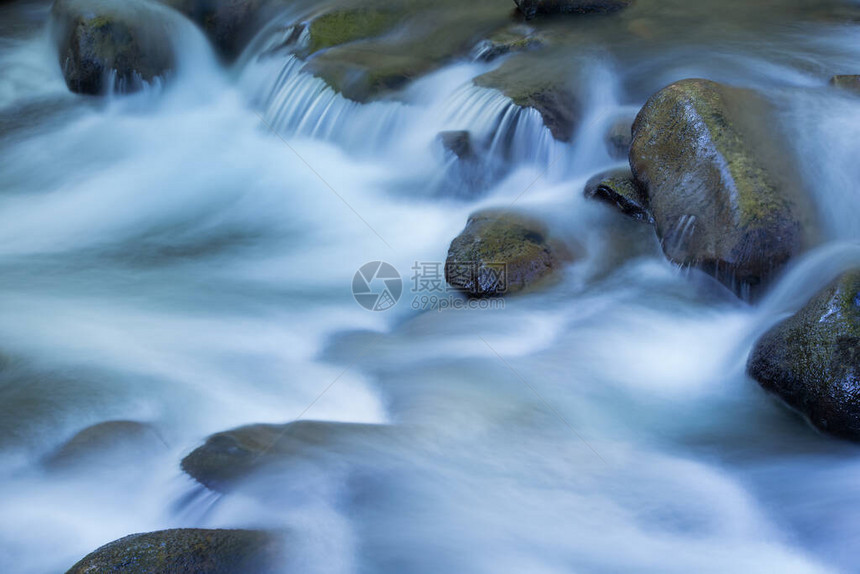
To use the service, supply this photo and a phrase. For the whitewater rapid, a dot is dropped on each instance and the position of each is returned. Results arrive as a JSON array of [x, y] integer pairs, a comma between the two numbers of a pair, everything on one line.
[[184, 256]]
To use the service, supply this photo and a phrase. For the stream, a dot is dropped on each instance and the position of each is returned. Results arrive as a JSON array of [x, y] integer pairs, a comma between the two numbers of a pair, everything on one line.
[[185, 256]]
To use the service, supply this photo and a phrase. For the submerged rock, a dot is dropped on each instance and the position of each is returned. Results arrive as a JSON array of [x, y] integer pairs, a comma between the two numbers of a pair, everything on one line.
[[501, 252], [532, 8], [106, 442], [98, 41], [507, 41], [228, 458], [618, 188], [530, 84], [812, 360], [619, 137], [189, 551], [723, 197], [458, 143], [850, 83]]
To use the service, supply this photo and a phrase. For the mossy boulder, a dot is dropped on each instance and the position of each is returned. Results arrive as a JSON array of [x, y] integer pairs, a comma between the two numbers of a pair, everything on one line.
[[722, 193], [228, 458], [850, 83], [532, 8], [812, 360], [104, 443], [530, 83], [187, 550], [373, 50], [342, 26], [500, 253], [618, 188], [126, 42]]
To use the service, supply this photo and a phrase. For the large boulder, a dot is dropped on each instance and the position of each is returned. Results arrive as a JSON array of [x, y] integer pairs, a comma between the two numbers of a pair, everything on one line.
[[189, 551], [228, 458], [723, 195], [532, 8], [812, 360], [112, 44], [501, 252]]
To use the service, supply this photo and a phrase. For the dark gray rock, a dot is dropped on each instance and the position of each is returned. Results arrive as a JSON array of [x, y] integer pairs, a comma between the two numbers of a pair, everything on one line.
[[812, 360], [532, 8], [458, 143], [128, 42], [229, 24], [187, 551]]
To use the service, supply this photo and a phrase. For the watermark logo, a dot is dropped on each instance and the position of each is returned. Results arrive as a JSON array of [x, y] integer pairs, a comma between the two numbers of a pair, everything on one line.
[[435, 286], [377, 286]]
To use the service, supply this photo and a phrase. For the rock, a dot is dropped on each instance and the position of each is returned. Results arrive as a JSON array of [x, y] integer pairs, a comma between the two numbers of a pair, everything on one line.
[[538, 87], [458, 143], [371, 52], [342, 26], [618, 188], [130, 40], [850, 83], [500, 253], [532, 8], [228, 458], [812, 360], [187, 550], [723, 196], [229, 24], [104, 443], [619, 138], [509, 40]]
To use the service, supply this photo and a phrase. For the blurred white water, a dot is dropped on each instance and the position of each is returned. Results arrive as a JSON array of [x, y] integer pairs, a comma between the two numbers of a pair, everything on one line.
[[165, 257]]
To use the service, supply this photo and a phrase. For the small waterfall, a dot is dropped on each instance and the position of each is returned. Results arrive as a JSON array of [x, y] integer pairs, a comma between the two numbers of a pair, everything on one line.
[[294, 103], [504, 130]]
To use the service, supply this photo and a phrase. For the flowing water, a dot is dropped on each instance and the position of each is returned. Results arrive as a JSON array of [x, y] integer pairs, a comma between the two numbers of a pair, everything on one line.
[[184, 256]]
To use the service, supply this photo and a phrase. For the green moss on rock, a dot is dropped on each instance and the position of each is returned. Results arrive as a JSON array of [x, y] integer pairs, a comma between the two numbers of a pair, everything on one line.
[[721, 191], [189, 551], [531, 83], [228, 458], [345, 26], [618, 188], [351, 50], [812, 360], [501, 253]]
